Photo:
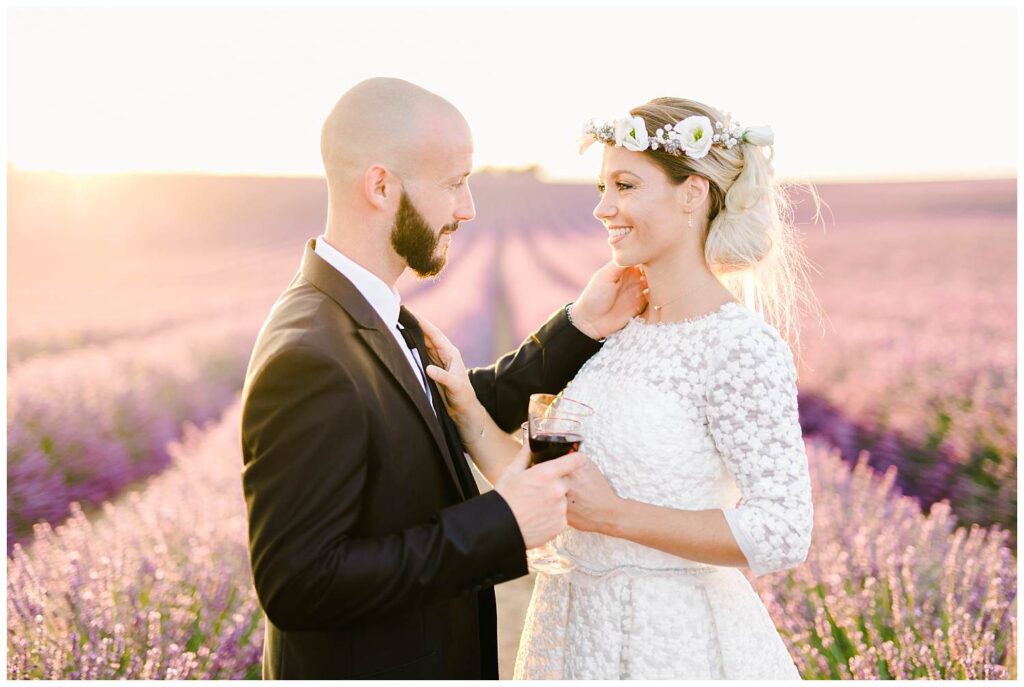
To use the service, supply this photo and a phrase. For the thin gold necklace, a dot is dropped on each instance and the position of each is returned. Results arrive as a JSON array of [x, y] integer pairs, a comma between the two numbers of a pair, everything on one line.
[[658, 308]]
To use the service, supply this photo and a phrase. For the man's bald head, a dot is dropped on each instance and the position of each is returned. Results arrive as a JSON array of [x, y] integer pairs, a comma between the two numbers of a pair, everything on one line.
[[389, 122]]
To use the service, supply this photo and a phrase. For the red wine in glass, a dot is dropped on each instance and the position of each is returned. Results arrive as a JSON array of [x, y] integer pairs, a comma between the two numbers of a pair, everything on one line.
[[545, 446]]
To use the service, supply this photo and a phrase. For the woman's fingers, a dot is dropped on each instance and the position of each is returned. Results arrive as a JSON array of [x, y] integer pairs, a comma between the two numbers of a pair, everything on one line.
[[434, 349], [445, 382], [612, 272], [453, 386], [441, 376], [441, 348], [433, 334]]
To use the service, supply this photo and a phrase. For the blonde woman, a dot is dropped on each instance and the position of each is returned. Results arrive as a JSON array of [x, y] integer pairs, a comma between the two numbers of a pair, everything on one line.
[[696, 466]]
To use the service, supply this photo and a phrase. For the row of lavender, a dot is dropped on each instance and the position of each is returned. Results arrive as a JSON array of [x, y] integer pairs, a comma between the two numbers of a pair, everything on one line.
[[159, 586], [84, 424], [920, 356]]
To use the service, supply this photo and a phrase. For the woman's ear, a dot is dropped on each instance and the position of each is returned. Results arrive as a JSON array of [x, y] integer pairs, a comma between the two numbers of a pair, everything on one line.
[[695, 192]]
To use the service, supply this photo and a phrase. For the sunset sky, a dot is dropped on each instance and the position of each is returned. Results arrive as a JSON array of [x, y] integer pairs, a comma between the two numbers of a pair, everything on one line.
[[851, 94]]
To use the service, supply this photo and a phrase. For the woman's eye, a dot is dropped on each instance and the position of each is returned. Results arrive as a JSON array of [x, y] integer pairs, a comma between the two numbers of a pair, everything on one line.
[[621, 185]]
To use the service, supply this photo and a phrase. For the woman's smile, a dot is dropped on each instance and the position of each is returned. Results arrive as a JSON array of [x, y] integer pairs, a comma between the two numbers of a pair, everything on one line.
[[616, 234]]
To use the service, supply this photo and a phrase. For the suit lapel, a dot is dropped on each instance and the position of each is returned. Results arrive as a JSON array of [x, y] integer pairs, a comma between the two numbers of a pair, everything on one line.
[[386, 349], [375, 334]]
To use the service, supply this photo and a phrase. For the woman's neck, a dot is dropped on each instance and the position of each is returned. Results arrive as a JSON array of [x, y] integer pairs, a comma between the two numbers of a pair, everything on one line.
[[680, 290]]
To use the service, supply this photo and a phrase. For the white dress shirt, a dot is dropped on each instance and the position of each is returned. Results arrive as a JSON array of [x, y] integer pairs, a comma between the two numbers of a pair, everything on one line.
[[382, 298]]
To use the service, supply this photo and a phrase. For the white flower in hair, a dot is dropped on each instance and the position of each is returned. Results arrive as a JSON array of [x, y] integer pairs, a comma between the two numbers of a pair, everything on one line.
[[759, 135], [694, 135], [631, 134], [587, 138]]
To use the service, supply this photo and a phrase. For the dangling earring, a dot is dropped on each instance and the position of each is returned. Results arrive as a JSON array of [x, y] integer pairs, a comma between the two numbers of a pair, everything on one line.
[[689, 220]]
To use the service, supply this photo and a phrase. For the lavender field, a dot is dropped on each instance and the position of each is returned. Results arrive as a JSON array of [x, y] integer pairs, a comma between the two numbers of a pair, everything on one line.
[[134, 301], [159, 586]]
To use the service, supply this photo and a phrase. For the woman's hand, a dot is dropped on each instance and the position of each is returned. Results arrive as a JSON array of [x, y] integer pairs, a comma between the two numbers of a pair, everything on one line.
[[453, 380], [593, 503], [610, 299]]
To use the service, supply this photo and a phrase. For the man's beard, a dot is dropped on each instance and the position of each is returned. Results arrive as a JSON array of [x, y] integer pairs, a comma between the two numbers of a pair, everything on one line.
[[413, 239]]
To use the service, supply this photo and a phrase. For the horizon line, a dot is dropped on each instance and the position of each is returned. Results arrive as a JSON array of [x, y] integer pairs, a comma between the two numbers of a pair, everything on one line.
[[539, 172]]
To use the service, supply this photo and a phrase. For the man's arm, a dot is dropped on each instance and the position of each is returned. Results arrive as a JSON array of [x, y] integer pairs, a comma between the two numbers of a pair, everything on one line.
[[305, 439]]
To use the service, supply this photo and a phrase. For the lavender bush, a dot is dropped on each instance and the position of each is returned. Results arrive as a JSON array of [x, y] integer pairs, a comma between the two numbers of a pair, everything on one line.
[[979, 482], [157, 587], [888, 592], [83, 424]]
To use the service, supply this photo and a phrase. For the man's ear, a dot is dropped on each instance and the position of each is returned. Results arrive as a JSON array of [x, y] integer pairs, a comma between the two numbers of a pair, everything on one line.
[[378, 186]]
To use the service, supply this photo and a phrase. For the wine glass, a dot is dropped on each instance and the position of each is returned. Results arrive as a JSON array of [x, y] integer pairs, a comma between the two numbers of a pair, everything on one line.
[[550, 438], [557, 405]]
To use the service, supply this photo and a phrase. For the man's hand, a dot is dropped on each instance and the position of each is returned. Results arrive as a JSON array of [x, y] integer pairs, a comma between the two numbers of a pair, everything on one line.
[[610, 299], [537, 495]]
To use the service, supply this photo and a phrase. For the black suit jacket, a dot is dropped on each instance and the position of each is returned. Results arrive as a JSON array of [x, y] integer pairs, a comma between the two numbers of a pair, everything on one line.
[[373, 553]]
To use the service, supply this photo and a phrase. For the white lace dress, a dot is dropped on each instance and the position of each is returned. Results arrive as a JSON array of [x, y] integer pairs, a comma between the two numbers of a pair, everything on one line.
[[691, 415]]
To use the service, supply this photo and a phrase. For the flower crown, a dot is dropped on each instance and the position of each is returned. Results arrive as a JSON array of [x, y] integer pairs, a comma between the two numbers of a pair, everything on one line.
[[693, 136]]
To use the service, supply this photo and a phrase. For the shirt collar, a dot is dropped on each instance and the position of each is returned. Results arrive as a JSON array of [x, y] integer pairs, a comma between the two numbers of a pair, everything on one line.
[[384, 299]]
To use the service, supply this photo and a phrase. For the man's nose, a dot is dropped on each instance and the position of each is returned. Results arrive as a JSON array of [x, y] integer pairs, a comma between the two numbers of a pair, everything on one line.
[[467, 209]]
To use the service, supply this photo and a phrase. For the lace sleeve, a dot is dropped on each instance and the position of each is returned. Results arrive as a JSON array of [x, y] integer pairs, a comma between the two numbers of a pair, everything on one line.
[[753, 418]]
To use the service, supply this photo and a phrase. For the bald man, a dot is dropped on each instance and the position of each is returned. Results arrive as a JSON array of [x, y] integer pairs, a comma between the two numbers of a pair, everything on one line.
[[373, 553]]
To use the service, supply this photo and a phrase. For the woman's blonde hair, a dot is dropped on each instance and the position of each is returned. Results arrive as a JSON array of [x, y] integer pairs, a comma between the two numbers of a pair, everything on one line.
[[749, 240]]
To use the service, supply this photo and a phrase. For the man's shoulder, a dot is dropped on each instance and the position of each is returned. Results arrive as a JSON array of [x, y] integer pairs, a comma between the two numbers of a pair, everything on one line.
[[302, 319]]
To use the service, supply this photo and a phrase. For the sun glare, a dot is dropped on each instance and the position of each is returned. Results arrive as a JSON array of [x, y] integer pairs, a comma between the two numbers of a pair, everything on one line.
[[117, 90]]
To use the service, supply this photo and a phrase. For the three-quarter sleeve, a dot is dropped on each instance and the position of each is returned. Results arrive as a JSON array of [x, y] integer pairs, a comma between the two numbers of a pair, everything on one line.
[[754, 422]]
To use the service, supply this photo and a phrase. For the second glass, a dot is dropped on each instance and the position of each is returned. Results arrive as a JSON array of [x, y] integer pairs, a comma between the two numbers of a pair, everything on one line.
[[544, 406]]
